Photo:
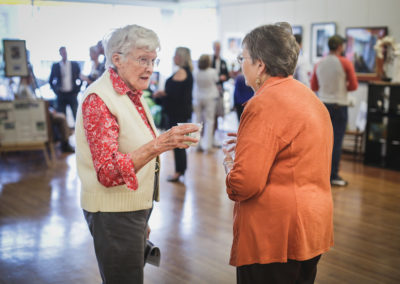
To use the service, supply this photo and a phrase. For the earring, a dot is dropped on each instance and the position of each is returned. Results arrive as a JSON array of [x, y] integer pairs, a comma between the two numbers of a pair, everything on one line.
[[258, 83]]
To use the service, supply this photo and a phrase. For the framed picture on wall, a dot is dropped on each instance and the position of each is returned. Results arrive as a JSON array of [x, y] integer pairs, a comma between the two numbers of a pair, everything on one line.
[[360, 50], [320, 33], [15, 60], [297, 30]]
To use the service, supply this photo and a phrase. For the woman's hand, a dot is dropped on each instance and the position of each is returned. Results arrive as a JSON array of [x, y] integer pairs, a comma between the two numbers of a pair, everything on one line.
[[176, 138], [173, 138], [228, 160], [230, 144]]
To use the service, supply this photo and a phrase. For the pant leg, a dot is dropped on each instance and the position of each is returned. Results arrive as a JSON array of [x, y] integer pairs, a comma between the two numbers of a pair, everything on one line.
[[119, 242], [209, 114], [308, 271], [61, 103], [74, 104], [179, 154], [339, 122], [60, 122]]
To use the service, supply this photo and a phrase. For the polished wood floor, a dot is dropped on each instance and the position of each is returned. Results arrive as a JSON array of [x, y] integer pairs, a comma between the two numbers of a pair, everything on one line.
[[44, 238]]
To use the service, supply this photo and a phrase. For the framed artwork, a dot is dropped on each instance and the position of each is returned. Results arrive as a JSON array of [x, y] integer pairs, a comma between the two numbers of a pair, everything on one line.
[[320, 33], [15, 60], [297, 30], [360, 50]]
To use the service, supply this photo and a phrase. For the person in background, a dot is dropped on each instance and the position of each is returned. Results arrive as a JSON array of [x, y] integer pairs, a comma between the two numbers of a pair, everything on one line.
[[333, 77], [97, 67], [279, 178], [177, 102], [205, 94], [100, 49], [65, 82], [241, 94], [220, 65], [117, 154], [303, 68]]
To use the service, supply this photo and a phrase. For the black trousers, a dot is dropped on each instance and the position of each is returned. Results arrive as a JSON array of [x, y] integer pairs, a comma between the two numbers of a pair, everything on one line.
[[179, 154], [65, 99], [291, 272], [119, 242]]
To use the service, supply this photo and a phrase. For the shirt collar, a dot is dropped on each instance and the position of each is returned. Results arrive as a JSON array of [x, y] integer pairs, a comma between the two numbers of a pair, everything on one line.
[[271, 81], [119, 85]]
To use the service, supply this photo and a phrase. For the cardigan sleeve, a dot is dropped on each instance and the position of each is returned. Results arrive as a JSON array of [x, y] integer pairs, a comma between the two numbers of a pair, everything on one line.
[[256, 150]]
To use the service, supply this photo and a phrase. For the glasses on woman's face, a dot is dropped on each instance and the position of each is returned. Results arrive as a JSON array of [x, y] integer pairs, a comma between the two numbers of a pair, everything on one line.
[[145, 62], [240, 58]]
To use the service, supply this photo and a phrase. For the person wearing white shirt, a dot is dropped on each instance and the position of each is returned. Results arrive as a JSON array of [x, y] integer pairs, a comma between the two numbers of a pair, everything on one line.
[[205, 96]]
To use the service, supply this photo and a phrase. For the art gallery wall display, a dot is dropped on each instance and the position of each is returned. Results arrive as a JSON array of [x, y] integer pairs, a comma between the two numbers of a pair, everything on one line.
[[16, 63], [360, 50], [320, 34]]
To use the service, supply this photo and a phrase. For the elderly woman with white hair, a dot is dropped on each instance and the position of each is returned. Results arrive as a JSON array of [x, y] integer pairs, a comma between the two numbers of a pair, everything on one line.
[[117, 154], [279, 178]]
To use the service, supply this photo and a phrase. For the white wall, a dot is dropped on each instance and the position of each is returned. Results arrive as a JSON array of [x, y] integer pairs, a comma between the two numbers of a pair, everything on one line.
[[241, 16]]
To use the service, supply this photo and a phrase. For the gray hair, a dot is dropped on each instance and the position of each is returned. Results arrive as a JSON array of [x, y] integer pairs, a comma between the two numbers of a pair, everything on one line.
[[184, 54], [274, 45], [124, 39]]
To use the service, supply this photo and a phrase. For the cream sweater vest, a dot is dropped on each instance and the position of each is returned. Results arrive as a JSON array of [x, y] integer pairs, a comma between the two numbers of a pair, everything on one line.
[[133, 133]]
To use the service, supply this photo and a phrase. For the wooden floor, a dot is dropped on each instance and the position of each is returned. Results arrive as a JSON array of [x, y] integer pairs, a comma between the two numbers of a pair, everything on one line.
[[44, 238]]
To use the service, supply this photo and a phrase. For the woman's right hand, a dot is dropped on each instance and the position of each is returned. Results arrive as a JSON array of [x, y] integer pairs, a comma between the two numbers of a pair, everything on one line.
[[230, 144]]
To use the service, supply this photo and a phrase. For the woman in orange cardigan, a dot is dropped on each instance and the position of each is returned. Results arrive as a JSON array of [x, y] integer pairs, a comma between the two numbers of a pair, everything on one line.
[[279, 178]]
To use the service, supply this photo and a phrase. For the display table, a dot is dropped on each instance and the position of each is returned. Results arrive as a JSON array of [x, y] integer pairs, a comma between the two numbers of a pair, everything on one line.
[[25, 126]]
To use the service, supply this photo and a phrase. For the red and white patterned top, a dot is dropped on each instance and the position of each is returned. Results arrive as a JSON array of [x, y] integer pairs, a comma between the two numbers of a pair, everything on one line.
[[101, 128]]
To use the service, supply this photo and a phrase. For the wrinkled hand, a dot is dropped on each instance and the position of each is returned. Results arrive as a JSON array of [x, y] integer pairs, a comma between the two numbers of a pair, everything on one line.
[[176, 138]]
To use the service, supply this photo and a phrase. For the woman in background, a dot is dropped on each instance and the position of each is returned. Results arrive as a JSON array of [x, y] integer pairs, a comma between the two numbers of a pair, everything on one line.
[[280, 177], [177, 102], [205, 95]]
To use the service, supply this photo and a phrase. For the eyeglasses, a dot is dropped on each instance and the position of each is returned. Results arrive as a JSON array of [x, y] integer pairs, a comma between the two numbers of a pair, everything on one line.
[[240, 58], [143, 61]]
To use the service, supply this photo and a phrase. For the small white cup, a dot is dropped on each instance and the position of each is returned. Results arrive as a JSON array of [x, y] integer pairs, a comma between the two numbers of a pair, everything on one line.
[[196, 134]]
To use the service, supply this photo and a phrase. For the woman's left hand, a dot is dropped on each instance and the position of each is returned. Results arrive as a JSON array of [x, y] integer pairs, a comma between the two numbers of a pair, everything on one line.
[[228, 160]]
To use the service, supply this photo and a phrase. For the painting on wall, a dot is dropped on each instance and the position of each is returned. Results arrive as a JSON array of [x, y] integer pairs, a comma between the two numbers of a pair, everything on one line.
[[16, 63], [297, 30], [320, 33], [360, 49]]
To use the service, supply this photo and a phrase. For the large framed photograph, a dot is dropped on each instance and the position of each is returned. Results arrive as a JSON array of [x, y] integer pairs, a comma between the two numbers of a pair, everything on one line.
[[360, 50], [16, 63], [320, 34]]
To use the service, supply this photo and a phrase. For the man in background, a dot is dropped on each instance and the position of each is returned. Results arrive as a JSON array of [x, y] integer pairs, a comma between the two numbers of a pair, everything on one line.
[[65, 82], [333, 77], [222, 69]]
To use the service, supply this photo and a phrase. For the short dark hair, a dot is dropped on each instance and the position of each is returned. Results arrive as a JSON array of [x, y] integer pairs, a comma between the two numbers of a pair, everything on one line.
[[274, 45], [204, 62], [335, 41]]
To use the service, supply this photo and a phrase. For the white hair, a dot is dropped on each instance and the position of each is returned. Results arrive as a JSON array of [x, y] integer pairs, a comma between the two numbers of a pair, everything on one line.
[[124, 39]]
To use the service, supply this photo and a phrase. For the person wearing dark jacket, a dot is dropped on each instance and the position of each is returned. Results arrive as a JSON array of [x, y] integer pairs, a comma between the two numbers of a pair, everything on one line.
[[65, 82]]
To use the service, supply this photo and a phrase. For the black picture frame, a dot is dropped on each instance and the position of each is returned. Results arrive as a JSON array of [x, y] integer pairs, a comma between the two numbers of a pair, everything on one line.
[[15, 59], [320, 33]]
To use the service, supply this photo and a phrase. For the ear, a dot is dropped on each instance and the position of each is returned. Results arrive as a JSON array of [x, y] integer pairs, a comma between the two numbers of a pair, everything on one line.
[[116, 60], [260, 67]]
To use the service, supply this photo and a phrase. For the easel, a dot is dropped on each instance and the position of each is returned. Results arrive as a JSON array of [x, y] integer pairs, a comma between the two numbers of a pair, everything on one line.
[[15, 54]]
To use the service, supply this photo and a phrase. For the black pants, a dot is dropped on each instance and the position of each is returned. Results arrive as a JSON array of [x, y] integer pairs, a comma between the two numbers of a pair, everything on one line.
[[65, 99], [119, 242], [291, 272], [179, 154]]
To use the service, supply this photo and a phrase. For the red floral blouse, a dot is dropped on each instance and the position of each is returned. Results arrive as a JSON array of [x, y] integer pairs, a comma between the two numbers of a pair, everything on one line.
[[101, 128]]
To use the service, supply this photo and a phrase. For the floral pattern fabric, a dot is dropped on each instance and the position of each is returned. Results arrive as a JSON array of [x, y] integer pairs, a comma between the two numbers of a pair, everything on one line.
[[101, 129]]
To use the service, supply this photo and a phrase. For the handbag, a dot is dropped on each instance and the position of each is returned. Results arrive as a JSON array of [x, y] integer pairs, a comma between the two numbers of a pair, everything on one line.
[[152, 254]]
